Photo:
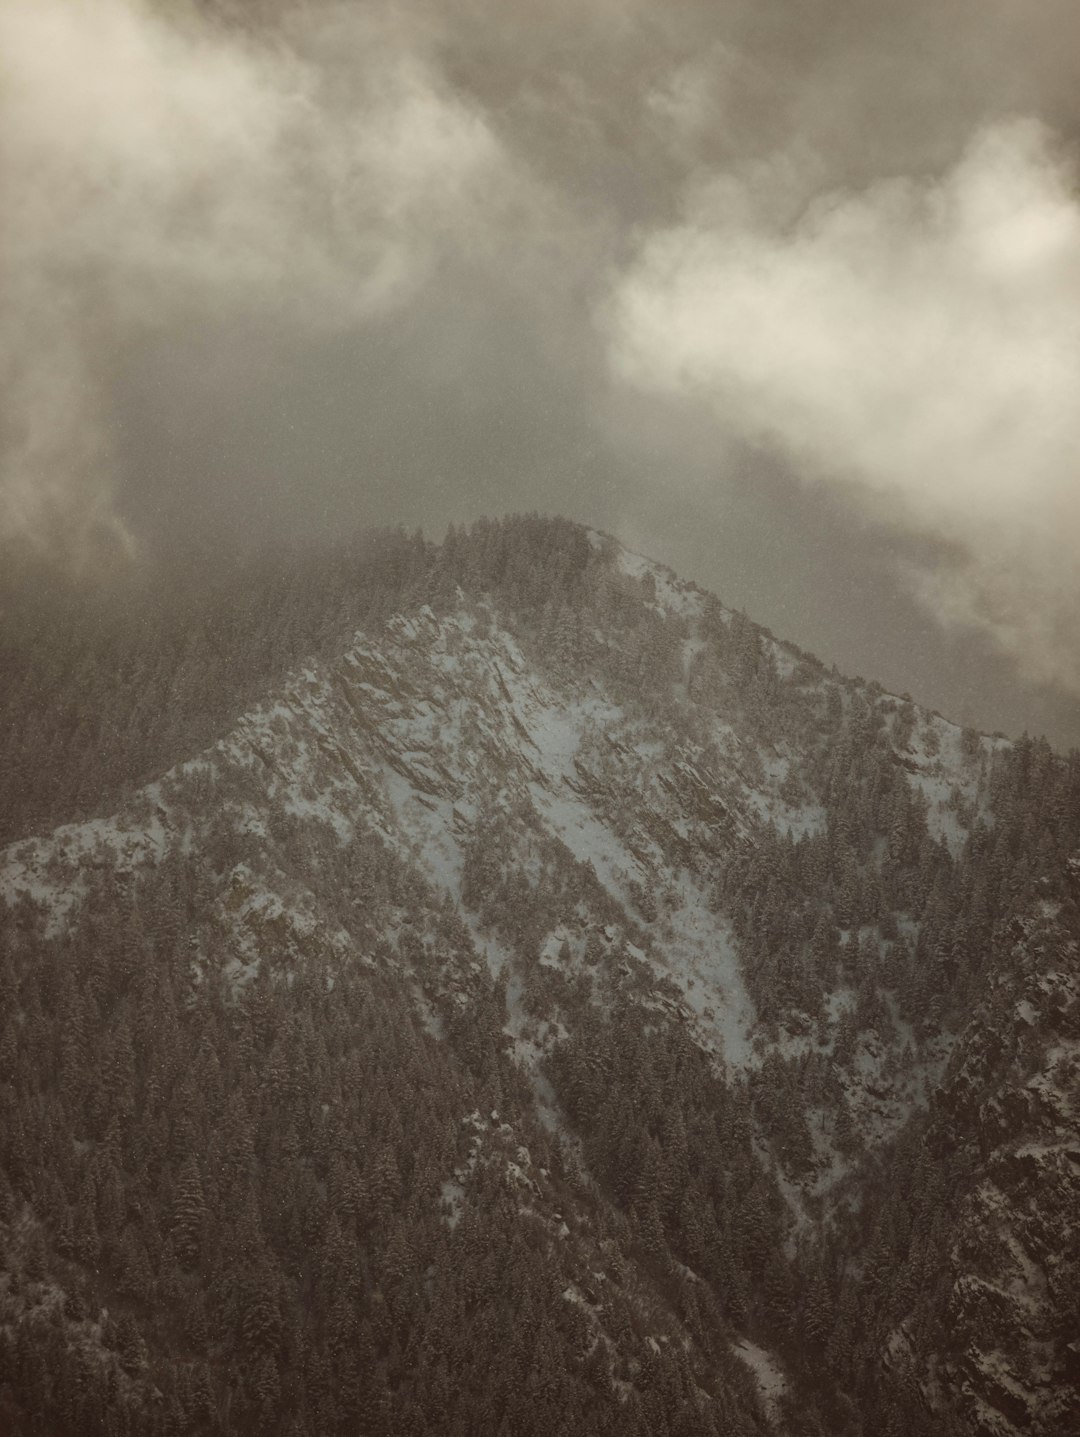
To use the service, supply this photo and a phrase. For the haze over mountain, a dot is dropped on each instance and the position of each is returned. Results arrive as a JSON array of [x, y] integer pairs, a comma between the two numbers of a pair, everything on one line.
[[458, 975], [790, 299], [497, 988]]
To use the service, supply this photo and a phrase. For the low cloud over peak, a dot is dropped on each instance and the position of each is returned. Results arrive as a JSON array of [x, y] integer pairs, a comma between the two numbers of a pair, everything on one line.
[[278, 267]]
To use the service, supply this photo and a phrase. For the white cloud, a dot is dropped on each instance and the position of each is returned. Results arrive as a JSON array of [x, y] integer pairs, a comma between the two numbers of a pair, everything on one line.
[[153, 164], [916, 343]]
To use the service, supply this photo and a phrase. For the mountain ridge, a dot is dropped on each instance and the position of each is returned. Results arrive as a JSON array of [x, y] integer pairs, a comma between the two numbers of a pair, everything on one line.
[[629, 863]]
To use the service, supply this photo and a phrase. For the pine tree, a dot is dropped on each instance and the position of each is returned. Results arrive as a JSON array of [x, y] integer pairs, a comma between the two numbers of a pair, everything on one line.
[[189, 1213]]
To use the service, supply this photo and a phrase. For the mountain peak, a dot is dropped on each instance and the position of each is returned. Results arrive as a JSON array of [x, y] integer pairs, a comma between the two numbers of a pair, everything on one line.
[[553, 910]]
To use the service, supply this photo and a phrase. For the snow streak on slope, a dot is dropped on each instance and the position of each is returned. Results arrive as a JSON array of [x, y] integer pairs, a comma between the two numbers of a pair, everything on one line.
[[420, 735], [411, 736]]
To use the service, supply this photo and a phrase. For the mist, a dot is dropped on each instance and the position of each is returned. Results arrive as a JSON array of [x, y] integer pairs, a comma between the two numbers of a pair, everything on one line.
[[789, 301], [165, 173]]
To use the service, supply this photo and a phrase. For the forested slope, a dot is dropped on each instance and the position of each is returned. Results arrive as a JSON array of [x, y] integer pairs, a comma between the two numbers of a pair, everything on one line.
[[493, 987]]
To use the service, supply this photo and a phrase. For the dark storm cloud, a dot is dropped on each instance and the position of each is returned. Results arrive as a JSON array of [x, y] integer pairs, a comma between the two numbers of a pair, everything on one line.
[[283, 267]]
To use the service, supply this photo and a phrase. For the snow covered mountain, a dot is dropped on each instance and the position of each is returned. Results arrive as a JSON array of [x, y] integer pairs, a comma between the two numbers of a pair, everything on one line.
[[731, 1002]]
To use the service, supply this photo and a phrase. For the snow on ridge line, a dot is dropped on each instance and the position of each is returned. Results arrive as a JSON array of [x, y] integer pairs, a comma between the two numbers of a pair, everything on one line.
[[673, 595]]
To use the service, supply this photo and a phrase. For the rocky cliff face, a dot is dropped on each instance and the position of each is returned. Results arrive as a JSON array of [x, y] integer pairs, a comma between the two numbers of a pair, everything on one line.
[[707, 942]]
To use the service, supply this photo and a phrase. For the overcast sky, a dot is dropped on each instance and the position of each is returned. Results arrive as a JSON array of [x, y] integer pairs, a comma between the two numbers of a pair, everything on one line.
[[785, 295]]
